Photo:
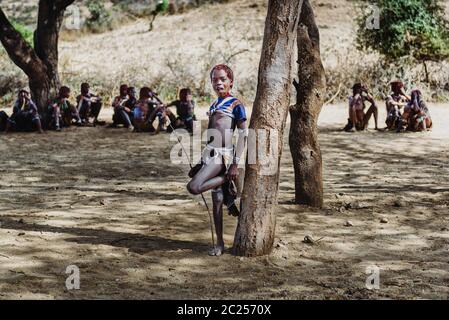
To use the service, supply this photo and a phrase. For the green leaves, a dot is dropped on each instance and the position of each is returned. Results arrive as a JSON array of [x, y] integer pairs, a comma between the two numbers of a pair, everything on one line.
[[100, 17], [162, 6], [414, 28], [25, 32]]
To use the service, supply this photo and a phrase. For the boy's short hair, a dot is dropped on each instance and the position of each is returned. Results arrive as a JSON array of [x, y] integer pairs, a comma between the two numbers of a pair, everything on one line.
[[183, 93], [131, 89], [64, 90], [416, 92], [226, 69], [145, 93], [396, 85], [123, 88], [357, 87]]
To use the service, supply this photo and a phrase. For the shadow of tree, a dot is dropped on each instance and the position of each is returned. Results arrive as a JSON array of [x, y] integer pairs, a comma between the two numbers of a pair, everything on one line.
[[140, 244]]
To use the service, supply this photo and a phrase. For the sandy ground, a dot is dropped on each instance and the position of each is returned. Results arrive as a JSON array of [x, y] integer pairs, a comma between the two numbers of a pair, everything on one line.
[[111, 203]]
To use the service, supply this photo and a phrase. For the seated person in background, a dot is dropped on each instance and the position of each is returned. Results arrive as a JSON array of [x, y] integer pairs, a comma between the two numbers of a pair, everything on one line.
[[358, 119], [89, 105], [61, 113], [416, 113], [142, 111], [160, 111], [394, 103], [130, 104], [122, 108], [185, 110], [3, 120], [25, 116]]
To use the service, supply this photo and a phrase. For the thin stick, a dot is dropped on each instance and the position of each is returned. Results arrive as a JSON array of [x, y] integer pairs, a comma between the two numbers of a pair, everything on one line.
[[335, 96]]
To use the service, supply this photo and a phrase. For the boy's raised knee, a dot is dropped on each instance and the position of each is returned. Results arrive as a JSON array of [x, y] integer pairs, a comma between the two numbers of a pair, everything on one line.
[[193, 188]]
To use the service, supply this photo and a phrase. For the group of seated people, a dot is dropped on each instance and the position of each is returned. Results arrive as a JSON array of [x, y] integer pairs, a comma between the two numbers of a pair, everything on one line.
[[137, 115], [404, 112]]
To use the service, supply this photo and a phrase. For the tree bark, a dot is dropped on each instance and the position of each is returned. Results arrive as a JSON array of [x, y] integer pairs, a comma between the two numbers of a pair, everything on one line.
[[426, 72], [256, 227], [41, 63], [303, 140]]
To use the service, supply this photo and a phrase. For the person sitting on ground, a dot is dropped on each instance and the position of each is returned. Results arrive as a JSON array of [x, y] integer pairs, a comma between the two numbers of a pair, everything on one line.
[[161, 112], [130, 104], [89, 105], [395, 101], [122, 111], [61, 112], [3, 120], [416, 113], [25, 115], [185, 107], [358, 119], [142, 111]]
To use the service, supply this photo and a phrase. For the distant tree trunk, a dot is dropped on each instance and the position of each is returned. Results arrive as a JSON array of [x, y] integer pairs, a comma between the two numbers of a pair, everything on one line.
[[256, 227], [303, 139], [41, 63], [426, 72]]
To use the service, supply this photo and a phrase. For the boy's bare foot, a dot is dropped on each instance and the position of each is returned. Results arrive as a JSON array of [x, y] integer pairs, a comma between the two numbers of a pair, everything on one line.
[[216, 251]]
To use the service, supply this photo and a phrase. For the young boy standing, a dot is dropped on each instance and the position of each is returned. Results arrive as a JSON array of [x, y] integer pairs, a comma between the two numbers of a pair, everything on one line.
[[220, 158]]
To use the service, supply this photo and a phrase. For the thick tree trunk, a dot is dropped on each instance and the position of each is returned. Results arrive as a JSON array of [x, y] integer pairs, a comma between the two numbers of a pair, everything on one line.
[[42, 90], [256, 226], [303, 139], [41, 63], [46, 37]]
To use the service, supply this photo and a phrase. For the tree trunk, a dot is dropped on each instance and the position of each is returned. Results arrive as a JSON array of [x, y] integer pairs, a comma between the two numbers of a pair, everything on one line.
[[256, 227], [426, 72], [41, 63], [46, 36], [303, 139]]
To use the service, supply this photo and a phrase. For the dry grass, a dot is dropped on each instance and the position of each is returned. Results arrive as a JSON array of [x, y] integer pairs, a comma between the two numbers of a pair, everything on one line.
[[182, 48], [356, 66]]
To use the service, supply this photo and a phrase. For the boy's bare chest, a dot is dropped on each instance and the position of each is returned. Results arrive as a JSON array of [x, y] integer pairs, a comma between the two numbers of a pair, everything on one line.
[[221, 122]]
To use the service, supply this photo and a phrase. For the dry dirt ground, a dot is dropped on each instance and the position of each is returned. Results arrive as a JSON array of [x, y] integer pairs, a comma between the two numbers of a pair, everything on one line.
[[111, 203]]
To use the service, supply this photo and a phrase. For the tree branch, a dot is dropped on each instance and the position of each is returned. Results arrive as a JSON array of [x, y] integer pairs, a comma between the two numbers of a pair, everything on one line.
[[308, 19], [20, 52]]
